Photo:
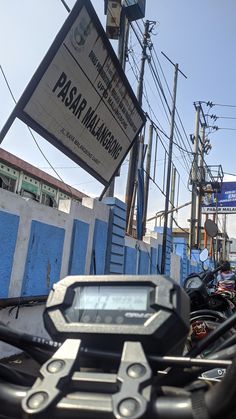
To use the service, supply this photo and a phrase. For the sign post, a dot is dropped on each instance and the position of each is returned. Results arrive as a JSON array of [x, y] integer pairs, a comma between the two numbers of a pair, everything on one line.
[[80, 100]]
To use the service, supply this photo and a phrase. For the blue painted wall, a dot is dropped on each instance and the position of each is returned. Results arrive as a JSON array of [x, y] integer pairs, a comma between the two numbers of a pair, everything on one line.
[[79, 248], [168, 249], [154, 261], [180, 249], [8, 235], [144, 262], [98, 259], [116, 240], [43, 263], [130, 260], [109, 252]]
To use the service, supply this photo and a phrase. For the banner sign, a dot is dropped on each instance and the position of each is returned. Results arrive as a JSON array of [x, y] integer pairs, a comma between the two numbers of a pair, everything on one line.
[[223, 202], [80, 99]]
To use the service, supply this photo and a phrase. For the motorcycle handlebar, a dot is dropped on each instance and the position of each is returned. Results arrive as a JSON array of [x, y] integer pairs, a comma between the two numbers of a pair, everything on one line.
[[209, 275], [219, 401], [219, 268], [11, 396]]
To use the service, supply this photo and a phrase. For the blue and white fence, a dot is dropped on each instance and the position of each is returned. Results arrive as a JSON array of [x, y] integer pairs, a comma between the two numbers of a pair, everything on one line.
[[39, 245]]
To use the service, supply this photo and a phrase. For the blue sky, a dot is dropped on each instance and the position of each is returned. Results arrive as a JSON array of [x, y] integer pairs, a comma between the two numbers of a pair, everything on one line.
[[199, 36]]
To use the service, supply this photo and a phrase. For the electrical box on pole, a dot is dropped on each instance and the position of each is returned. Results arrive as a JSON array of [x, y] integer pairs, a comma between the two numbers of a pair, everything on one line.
[[134, 9], [113, 12]]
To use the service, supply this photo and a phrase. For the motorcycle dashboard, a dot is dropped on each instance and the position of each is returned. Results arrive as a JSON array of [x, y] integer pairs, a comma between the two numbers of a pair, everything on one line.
[[127, 307]]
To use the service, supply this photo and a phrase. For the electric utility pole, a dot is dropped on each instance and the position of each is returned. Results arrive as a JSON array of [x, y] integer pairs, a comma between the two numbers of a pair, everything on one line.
[[147, 177], [200, 192], [172, 195], [168, 178], [193, 220], [134, 153], [122, 52], [224, 238]]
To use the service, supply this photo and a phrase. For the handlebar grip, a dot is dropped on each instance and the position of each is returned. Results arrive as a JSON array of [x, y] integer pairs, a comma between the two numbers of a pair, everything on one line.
[[173, 408], [182, 407], [218, 269], [221, 398], [11, 396], [218, 401]]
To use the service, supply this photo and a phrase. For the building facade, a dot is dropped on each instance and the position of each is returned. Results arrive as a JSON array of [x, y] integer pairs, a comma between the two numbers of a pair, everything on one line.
[[24, 179]]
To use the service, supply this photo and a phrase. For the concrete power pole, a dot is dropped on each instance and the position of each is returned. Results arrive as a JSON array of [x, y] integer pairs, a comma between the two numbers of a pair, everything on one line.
[[134, 153], [193, 220], [200, 194], [122, 51], [168, 177], [224, 238], [172, 195], [147, 176]]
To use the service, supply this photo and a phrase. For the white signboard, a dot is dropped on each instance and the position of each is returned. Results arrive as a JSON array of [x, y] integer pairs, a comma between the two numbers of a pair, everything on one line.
[[219, 210], [80, 99]]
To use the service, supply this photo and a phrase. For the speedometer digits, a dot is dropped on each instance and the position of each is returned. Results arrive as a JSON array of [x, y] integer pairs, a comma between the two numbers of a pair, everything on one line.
[[111, 298], [109, 304]]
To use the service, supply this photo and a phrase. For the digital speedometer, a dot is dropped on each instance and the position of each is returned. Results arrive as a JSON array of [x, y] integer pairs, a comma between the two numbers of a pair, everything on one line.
[[109, 304], [111, 298], [106, 311]]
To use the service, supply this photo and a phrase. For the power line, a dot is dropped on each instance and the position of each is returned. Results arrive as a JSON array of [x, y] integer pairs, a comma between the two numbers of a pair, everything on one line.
[[224, 117], [139, 40], [150, 109], [184, 167], [6, 81], [177, 145], [219, 104], [157, 78], [32, 135], [158, 82], [228, 129], [160, 91], [216, 128], [161, 140], [140, 30], [185, 231], [162, 192], [231, 174], [162, 72], [183, 149], [65, 5]]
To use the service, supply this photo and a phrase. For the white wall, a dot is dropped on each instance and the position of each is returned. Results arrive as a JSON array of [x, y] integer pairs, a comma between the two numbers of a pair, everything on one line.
[[175, 266]]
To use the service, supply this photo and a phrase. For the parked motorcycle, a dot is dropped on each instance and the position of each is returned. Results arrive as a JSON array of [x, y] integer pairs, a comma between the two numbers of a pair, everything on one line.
[[203, 292], [209, 308]]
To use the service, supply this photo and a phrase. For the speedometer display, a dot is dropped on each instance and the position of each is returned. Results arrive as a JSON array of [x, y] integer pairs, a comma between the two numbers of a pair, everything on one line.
[[111, 298]]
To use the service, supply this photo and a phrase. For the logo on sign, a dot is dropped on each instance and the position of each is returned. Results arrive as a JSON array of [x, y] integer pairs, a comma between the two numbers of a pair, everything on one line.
[[80, 33]]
